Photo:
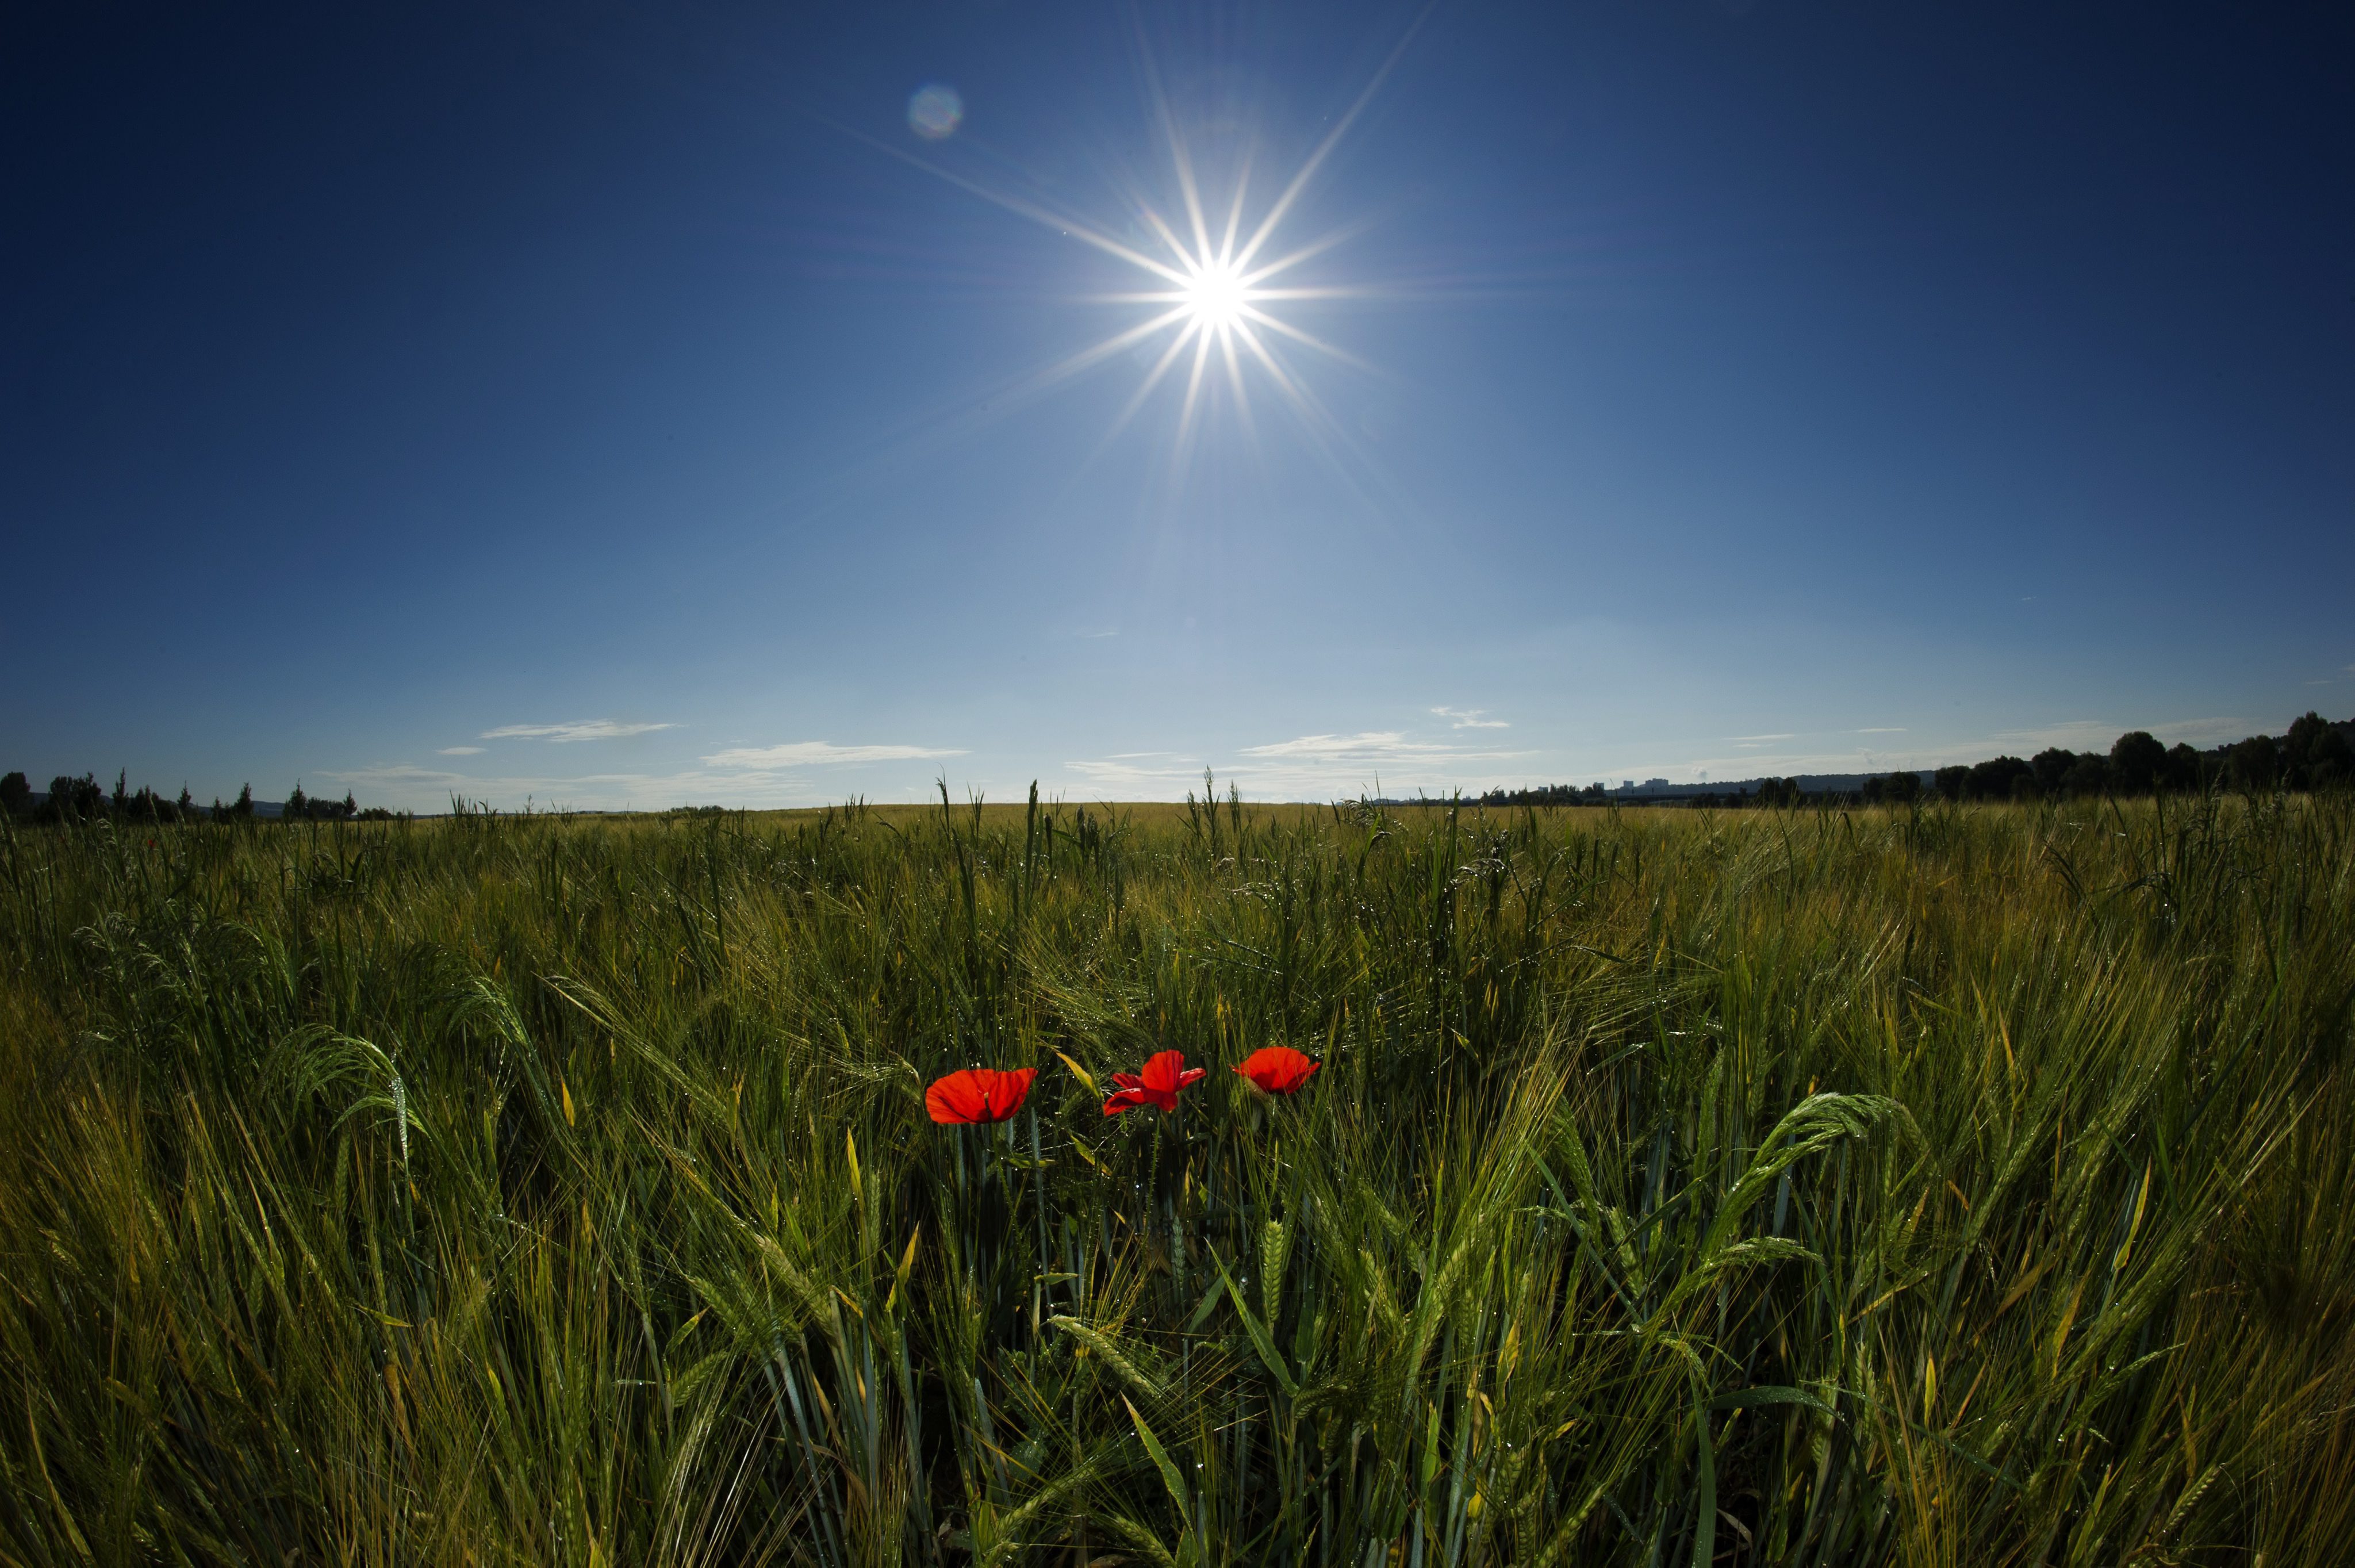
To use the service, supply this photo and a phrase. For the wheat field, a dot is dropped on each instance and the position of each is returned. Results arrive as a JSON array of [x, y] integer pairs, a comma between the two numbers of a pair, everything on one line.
[[1944, 1185]]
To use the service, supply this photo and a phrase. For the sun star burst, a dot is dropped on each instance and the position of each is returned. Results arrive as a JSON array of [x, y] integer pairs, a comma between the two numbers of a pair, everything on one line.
[[1216, 287]]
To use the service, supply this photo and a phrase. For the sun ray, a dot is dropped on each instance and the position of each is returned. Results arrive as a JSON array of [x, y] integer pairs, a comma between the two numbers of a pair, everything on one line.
[[1176, 143], [1235, 213], [1235, 383], [1153, 378], [1275, 214], [1276, 324], [1193, 391], [1037, 212], [1314, 248]]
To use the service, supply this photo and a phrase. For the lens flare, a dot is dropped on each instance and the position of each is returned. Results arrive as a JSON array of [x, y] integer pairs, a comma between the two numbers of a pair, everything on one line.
[[935, 111]]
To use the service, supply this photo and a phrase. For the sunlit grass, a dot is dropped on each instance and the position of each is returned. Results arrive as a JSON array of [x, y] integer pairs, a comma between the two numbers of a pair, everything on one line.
[[1972, 1187]]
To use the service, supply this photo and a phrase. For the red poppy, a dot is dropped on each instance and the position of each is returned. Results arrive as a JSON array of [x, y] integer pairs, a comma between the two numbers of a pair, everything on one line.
[[1278, 1069], [1165, 1073], [978, 1095]]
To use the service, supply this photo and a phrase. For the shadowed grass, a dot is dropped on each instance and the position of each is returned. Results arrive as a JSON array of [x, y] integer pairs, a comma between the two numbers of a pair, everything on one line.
[[1962, 1186]]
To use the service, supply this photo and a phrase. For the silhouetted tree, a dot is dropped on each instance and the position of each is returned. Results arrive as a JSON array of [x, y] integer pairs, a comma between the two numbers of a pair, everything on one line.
[[75, 800], [1954, 782], [2089, 775], [17, 794], [2052, 765], [1991, 780], [2184, 770], [2315, 752], [2256, 763], [2135, 762]]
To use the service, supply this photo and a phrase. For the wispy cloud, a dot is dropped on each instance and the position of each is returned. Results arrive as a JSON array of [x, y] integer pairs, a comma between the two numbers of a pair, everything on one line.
[[1307, 767], [2100, 734], [1140, 773], [1882, 730], [821, 753], [1760, 740], [1470, 718], [460, 751], [1367, 745], [583, 729]]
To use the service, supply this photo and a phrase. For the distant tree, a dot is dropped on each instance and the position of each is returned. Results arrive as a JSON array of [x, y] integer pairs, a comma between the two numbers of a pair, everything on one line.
[[1904, 788], [241, 808], [2024, 787], [2136, 760], [122, 796], [2256, 763], [2052, 765], [351, 807], [2315, 754], [75, 800], [2184, 771], [17, 794], [1952, 783], [298, 804], [185, 806], [1991, 780]]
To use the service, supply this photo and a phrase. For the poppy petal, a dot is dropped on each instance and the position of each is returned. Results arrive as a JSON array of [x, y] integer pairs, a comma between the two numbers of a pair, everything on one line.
[[1278, 1069], [1127, 1100], [978, 1095], [956, 1099], [1007, 1090]]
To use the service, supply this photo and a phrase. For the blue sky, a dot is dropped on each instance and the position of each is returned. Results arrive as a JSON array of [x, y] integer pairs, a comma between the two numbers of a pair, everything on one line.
[[610, 408]]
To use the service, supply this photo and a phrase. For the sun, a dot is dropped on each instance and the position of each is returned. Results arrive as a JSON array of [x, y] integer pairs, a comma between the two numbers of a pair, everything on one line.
[[1215, 295]]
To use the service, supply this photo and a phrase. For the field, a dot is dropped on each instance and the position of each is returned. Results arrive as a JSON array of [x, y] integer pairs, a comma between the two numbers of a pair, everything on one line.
[[1961, 1186]]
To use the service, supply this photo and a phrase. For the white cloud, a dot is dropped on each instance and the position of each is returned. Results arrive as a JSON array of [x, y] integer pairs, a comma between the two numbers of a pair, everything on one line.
[[820, 753], [583, 729], [1883, 729], [1128, 773], [1371, 745], [1309, 767], [2099, 734], [1760, 740], [1470, 718], [460, 751]]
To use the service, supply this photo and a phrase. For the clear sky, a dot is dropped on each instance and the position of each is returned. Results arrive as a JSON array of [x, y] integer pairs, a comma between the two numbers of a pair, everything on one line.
[[609, 405]]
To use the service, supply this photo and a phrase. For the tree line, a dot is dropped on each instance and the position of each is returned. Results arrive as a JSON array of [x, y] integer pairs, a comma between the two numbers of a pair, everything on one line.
[[84, 799], [2315, 755]]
